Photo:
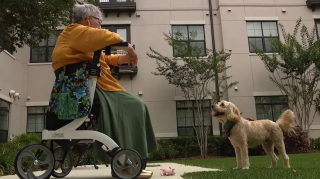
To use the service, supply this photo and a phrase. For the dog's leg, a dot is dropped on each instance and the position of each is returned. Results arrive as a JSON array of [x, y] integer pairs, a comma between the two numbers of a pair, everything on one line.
[[238, 156], [269, 149], [244, 157], [282, 151]]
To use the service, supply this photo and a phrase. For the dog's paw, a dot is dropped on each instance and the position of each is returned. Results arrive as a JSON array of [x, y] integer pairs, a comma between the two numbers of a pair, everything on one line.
[[245, 168]]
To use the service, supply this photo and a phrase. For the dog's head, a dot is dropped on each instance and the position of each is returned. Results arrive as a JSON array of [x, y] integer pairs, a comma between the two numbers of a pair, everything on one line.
[[224, 111]]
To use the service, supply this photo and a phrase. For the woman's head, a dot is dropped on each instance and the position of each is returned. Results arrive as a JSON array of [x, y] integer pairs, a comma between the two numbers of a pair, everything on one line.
[[87, 14]]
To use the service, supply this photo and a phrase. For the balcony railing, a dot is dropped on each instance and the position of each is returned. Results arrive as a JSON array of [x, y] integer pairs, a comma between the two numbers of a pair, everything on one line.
[[117, 6], [313, 4]]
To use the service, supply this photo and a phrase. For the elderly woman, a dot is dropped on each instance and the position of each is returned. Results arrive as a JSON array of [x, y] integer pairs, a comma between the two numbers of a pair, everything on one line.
[[123, 116]]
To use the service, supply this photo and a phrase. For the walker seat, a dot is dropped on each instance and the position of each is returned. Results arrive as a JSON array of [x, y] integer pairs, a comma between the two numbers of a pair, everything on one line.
[[38, 161]]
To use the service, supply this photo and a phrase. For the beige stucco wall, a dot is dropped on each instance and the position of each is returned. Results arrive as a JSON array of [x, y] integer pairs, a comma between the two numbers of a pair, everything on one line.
[[155, 18], [247, 68]]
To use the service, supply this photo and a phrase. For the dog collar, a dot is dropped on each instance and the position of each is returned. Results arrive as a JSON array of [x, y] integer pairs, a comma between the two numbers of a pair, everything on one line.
[[227, 127]]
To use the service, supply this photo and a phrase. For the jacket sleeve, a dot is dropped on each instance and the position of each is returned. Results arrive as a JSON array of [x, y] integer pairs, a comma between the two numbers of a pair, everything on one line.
[[87, 39], [111, 59]]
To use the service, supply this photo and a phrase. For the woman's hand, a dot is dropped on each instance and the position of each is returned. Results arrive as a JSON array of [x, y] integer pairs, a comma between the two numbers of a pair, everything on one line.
[[129, 57]]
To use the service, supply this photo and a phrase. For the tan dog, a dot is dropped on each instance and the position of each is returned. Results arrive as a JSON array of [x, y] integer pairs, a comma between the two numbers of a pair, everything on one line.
[[246, 133]]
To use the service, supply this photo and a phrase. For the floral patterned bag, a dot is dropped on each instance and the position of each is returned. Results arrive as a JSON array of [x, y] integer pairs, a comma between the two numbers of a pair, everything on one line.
[[69, 98]]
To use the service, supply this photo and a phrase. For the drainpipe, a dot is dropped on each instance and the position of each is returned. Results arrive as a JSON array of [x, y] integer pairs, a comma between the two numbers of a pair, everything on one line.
[[216, 75]]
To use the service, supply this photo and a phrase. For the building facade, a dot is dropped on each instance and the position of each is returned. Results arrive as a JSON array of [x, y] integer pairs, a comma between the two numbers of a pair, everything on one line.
[[26, 77]]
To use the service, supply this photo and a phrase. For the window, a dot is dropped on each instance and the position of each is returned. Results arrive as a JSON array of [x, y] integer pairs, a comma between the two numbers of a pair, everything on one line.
[[270, 107], [259, 34], [122, 30], [36, 119], [44, 52], [193, 34], [318, 28], [4, 121], [8, 46], [186, 117]]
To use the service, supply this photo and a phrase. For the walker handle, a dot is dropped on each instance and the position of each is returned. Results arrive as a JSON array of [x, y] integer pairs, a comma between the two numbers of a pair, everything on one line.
[[95, 70]]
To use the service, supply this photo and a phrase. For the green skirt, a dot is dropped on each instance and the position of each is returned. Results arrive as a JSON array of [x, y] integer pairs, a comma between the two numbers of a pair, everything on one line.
[[125, 118]]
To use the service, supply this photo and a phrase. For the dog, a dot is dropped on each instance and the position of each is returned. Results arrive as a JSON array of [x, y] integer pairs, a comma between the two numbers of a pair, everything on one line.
[[245, 133]]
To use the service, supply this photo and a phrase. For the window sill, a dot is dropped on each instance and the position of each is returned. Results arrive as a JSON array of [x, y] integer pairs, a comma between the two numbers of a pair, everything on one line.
[[254, 54], [8, 53], [202, 57], [39, 64]]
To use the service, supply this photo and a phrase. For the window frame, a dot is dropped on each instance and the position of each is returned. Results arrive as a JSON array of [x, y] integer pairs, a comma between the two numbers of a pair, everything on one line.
[[271, 104], [37, 114], [8, 111], [262, 37], [113, 28], [58, 32], [210, 127], [317, 21], [204, 37], [8, 49]]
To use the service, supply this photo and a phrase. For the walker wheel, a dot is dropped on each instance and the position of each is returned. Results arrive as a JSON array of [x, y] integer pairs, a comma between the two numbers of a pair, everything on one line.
[[126, 164], [63, 162], [34, 161]]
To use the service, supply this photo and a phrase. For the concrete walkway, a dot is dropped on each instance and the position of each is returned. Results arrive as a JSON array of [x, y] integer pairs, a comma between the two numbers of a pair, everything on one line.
[[88, 172]]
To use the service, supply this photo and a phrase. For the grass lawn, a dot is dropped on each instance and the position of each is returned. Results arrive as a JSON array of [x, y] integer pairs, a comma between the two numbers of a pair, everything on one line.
[[303, 166]]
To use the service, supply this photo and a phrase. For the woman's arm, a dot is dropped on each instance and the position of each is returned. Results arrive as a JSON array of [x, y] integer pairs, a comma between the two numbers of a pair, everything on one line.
[[87, 39], [112, 59], [117, 60]]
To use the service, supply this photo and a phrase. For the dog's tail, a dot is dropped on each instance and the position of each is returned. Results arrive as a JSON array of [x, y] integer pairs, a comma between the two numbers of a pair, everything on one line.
[[286, 121]]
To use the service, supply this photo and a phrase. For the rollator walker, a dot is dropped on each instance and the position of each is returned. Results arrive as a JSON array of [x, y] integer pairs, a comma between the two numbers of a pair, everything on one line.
[[125, 163]]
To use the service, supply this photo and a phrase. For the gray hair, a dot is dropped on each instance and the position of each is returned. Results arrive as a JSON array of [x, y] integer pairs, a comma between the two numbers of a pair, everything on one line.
[[81, 11]]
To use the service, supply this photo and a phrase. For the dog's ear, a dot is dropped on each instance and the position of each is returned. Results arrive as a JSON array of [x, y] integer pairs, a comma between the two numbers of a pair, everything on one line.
[[236, 110], [233, 113]]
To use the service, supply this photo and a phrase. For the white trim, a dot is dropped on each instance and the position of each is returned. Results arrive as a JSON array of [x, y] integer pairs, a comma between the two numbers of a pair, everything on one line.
[[6, 98], [216, 132], [8, 53], [181, 98], [314, 127], [268, 93], [261, 18], [187, 22], [39, 64], [107, 22], [254, 54], [174, 134], [39, 103], [316, 16], [61, 27]]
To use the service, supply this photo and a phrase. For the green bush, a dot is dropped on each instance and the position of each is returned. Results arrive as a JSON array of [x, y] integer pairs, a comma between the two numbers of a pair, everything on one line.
[[9, 150], [182, 147], [315, 143]]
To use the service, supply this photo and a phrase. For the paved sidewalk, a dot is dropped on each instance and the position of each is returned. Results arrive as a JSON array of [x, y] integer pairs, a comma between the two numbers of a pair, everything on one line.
[[88, 172]]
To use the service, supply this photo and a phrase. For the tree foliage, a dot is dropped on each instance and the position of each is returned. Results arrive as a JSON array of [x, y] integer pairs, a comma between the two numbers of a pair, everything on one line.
[[192, 69], [295, 71], [30, 21]]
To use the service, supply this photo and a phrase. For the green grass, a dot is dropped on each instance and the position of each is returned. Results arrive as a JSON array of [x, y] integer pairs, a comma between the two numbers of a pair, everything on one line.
[[303, 166]]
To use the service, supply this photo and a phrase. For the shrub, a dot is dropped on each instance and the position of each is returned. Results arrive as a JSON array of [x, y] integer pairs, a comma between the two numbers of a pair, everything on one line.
[[9, 150], [297, 143], [183, 147], [315, 144]]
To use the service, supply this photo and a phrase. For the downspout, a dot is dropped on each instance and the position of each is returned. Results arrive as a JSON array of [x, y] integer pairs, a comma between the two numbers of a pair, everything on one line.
[[214, 56]]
